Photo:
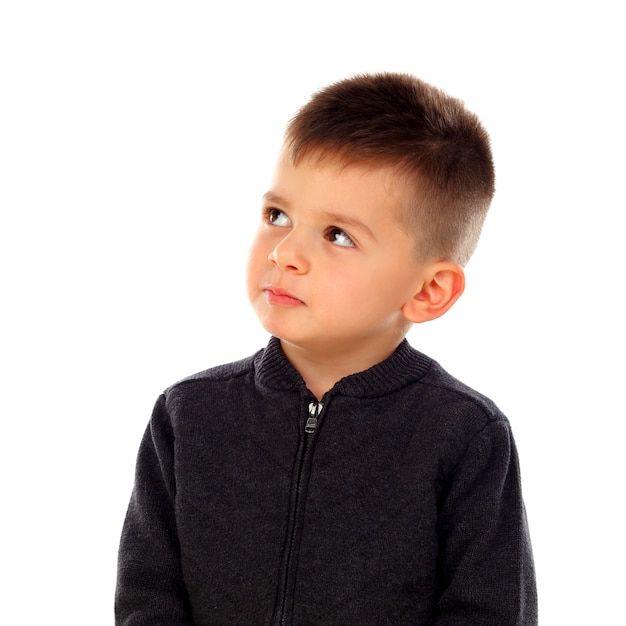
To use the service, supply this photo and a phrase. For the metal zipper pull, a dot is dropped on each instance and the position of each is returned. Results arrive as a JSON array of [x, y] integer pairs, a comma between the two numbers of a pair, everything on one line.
[[315, 408]]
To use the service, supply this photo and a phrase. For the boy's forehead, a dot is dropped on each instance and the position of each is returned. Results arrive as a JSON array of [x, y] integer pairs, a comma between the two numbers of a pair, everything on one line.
[[385, 176]]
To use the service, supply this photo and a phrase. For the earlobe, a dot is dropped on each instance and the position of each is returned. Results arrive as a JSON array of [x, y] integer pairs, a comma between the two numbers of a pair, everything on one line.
[[442, 287]]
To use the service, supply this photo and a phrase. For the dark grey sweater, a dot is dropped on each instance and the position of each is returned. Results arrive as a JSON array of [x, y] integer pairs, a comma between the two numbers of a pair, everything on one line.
[[395, 501]]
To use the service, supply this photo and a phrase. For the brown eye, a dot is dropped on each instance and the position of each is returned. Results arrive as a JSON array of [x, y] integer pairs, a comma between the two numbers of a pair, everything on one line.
[[277, 217], [340, 238]]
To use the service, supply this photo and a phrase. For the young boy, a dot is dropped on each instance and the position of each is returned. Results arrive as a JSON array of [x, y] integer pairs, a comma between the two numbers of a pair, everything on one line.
[[339, 476]]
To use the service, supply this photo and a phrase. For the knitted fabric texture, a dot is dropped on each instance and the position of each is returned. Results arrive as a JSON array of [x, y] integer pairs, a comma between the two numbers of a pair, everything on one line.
[[403, 504]]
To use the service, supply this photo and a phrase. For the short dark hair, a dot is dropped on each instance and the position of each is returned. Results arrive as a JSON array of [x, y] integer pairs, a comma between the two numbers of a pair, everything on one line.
[[429, 137]]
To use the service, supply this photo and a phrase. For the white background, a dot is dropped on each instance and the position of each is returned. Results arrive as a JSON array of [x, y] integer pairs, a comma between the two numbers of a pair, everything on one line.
[[136, 139]]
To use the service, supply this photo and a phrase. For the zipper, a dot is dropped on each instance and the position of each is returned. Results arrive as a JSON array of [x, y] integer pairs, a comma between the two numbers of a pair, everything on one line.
[[314, 410]]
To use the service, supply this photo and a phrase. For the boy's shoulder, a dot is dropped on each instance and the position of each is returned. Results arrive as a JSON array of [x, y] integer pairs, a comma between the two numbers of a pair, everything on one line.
[[265, 367], [442, 382], [222, 372], [452, 406]]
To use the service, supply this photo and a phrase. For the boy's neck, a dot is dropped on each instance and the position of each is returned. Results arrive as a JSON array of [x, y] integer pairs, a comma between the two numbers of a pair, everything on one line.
[[321, 369]]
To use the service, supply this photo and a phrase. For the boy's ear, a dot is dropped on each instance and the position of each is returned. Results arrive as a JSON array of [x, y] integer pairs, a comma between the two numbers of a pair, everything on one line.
[[443, 284]]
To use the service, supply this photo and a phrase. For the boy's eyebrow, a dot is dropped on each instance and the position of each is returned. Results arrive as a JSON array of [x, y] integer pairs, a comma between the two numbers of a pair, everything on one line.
[[331, 216], [272, 198], [354, 222]]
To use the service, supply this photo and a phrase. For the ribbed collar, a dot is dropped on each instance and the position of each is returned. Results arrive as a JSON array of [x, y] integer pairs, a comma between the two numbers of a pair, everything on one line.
[[404, 366]]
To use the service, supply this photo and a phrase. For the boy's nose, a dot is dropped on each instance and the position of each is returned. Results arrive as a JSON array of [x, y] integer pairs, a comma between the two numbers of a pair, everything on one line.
[[288, 256]]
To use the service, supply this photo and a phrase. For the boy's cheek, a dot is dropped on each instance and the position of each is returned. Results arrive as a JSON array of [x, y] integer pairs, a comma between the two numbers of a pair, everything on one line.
[[257, 256]]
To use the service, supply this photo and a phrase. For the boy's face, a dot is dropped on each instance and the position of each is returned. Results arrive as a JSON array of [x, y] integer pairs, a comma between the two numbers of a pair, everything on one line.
[[331, 265]]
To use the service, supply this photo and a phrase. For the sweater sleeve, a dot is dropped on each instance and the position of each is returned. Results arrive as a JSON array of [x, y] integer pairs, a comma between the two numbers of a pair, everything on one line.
[[150, 587], [486, 563]]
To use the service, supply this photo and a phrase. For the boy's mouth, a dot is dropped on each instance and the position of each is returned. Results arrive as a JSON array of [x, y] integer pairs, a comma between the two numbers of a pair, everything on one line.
[[275, 295]]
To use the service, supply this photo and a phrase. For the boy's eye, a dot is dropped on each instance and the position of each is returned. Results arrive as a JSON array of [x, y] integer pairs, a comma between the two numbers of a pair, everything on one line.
[[277, 217], [340, 238]]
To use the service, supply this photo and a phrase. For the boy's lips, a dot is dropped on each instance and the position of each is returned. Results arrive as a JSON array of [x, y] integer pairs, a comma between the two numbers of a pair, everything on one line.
[[276, 295]]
